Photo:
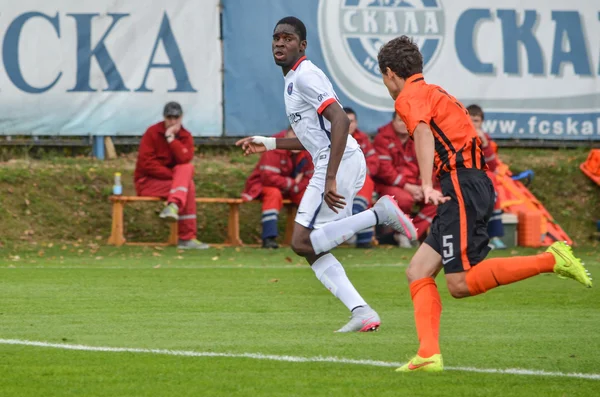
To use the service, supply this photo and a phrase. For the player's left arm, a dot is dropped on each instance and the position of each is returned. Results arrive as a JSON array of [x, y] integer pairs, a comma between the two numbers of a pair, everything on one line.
[[339, 135], [317, 91]]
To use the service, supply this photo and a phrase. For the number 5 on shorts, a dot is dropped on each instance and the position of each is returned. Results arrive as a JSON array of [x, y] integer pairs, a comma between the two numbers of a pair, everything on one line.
[[448, 251]]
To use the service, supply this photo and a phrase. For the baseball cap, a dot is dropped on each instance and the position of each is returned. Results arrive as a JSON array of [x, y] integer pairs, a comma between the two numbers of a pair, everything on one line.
[[172, 109]]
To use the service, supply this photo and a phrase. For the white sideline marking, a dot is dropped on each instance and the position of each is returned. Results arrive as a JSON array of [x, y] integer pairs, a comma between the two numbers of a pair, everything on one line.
[[97, 266], [292, 359]]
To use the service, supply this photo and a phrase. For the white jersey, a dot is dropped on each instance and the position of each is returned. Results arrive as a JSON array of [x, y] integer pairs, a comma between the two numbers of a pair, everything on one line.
[[307, 93]]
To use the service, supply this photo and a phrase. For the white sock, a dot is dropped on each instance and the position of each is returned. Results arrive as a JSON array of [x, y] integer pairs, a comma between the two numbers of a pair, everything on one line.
[[331, 273], [333, 234]]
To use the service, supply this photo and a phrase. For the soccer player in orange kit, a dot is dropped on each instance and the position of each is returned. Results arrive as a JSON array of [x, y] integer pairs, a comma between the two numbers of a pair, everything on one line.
[[458, 241]]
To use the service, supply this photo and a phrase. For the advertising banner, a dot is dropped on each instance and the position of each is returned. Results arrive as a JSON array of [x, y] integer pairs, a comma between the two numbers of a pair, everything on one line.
[[107, 67], [532, 65]]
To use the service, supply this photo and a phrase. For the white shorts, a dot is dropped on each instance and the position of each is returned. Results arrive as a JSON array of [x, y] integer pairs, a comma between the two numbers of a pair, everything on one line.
[[313, 212]]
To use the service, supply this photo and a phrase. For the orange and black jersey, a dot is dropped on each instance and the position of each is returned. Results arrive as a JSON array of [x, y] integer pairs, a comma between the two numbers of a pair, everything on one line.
[[456, 142]]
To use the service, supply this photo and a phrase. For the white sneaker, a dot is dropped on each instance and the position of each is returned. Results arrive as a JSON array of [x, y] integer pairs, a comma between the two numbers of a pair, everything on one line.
[[169, 213], [402, 240], [192, 245], [363, 319], [496, 244], [389, 214]]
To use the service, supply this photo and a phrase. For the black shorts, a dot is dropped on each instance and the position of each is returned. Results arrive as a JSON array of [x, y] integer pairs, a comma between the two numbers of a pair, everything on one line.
[[459, 230]]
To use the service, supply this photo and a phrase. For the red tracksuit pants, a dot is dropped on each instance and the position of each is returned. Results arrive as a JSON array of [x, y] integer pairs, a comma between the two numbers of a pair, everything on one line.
[[366, 193], [179, 190], [272, 203]]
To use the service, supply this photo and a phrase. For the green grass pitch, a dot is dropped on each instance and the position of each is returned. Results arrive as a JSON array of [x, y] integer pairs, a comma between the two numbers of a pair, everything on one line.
[[270, 303]]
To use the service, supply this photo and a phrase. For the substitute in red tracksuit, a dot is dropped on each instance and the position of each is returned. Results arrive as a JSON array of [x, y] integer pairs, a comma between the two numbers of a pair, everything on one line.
[[164, 169], [398, 173], [489, 149], [364, 198], [278, 174]]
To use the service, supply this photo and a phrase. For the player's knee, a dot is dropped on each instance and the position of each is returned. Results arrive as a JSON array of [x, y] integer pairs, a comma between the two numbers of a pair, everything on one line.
[[272, 193], [458, 293], [417, 270], [301, 247], [458, 290], [296, 247], [184, 166], [413, 273]]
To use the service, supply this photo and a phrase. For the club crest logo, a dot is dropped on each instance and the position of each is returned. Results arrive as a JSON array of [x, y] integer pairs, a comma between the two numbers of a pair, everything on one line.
[[290, 88], [352, 32]]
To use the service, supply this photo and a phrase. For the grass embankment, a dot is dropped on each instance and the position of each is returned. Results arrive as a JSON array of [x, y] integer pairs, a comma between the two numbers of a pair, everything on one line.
[[65, 199]]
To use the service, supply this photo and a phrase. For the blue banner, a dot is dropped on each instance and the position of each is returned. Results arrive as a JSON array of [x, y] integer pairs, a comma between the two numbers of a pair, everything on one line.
[[533, 66]]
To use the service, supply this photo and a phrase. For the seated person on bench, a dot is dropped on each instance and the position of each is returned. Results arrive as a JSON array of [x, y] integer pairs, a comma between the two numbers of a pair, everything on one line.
[[278, 174], [164, 169], [364, 197]]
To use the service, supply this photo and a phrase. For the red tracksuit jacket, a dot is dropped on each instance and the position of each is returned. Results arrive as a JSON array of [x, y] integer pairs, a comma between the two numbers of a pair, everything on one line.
[[397, 162], [279, 168], [489, 152], [368, 150], [157, 157]]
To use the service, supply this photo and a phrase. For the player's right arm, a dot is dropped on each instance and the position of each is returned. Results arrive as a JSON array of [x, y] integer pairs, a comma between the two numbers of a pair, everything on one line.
[[425, 148], [288, 144], [260, 144], [415, 111]]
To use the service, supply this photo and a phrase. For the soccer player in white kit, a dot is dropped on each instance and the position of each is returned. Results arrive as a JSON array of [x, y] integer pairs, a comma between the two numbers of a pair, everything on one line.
[[321, 127]]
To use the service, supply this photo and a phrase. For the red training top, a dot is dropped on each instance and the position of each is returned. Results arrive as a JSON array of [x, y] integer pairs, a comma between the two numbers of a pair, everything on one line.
[[368, 150], [157, 157]]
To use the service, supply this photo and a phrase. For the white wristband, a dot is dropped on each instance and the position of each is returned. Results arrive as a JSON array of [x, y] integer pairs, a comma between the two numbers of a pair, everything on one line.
[[269, 143]]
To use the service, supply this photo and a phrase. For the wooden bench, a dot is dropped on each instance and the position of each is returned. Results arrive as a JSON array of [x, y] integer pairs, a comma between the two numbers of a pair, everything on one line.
[[117, 236]]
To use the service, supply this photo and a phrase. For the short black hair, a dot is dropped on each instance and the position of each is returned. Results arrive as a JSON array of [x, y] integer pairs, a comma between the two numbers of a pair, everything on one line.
[[475, 110], [402, 56], [296, 23], [349, 110]]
